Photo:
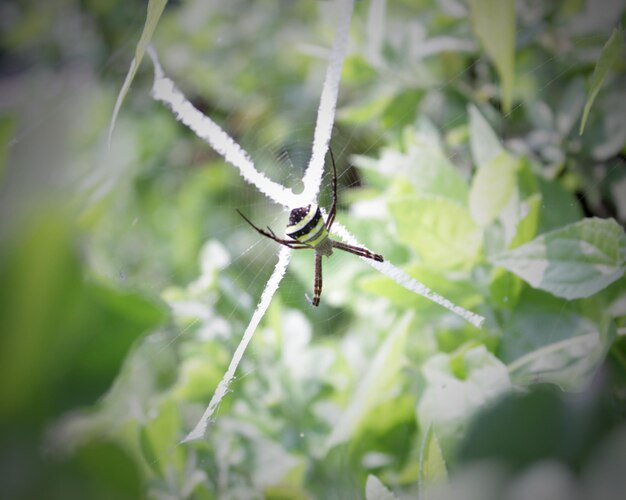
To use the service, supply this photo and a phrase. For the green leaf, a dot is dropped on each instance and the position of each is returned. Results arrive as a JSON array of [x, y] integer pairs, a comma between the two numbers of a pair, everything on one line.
[[199, 374], [356, 70], [439, 230], [432, 464], [7, 129], [402, 109], [541, 424], [610, 53], [572, 262], [492, 187], [160, 438], [375, 490], [568, 363], [549, 340], [493, 22], [375, 385], [364, 111], [505, 288], [558, 206], [527, 226], [448, 402], [283, 491], [432, 173], [60, 330], [428, 170], [155, 9], [484, 143], [98, 470]]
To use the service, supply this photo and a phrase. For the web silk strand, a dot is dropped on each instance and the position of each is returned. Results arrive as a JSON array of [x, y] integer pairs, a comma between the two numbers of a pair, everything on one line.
[[165, 91], [328, 103], [284, 256], [403, 279]]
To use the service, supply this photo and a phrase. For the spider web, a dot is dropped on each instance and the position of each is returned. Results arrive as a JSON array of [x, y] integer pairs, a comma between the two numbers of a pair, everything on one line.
[[165, 90], [50, 109]]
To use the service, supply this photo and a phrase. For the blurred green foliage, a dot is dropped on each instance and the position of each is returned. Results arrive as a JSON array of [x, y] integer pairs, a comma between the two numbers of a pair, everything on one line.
[[128, 278], [64, 338]]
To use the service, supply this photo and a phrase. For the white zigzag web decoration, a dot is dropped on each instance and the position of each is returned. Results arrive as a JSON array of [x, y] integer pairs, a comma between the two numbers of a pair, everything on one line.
[[165, 90]]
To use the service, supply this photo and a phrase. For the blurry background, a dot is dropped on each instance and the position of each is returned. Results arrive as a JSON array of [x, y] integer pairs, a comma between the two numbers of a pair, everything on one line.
[[127, 277]]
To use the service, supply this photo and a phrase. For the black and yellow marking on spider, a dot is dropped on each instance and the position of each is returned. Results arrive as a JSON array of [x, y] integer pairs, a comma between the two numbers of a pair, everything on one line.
[[307, 226]]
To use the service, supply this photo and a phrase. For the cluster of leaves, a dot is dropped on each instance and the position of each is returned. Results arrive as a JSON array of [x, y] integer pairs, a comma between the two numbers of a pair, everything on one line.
[[471, 168]]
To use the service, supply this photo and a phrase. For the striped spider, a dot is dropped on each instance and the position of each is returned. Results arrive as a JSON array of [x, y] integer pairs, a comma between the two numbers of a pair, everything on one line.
[[307, 229]]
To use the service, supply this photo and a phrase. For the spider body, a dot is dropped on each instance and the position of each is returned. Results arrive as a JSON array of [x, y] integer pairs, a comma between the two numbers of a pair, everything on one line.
[[307, 226], [307, 229]]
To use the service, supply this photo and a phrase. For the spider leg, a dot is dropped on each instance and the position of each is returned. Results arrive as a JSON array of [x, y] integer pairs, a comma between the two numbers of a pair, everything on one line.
[[317, 286], [360, 251], [333, 207], [272, 236]]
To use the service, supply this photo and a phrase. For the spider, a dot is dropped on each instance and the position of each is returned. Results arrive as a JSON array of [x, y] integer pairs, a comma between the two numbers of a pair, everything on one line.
[[308, 229]]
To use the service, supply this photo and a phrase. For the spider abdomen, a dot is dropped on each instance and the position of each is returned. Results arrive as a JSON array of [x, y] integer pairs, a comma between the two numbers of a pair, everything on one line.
[[307, 226]]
